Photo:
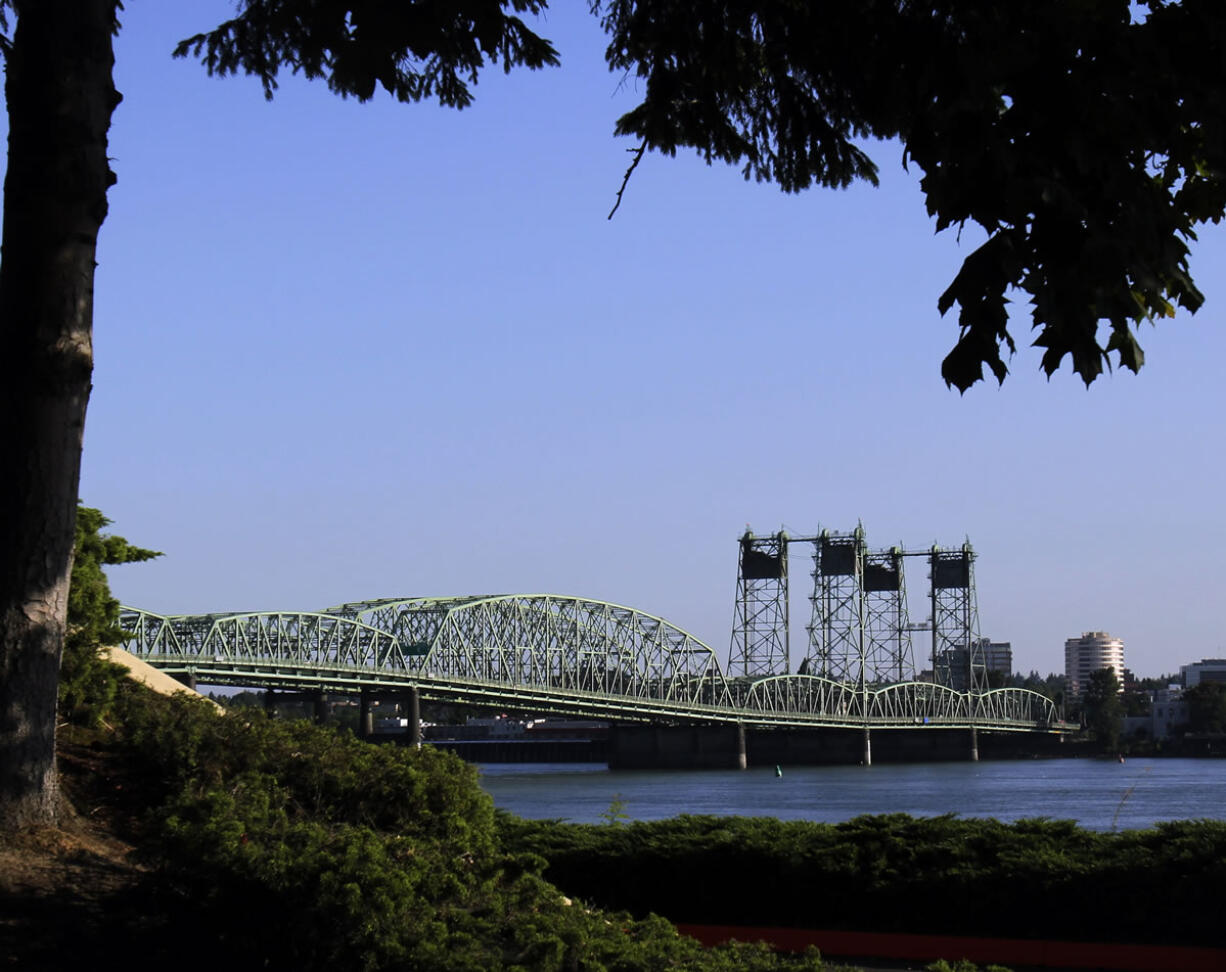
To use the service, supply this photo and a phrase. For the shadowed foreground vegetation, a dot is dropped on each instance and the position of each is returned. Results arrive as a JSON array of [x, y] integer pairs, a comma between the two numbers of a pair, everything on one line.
[[1043, 879], [300, 847], [289, 846]]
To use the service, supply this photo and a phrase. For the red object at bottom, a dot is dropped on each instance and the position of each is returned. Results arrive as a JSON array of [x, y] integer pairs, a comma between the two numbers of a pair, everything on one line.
[[1005, 951]]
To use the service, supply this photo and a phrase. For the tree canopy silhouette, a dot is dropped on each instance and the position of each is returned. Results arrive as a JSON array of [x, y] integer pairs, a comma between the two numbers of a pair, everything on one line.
[[1104, 708]]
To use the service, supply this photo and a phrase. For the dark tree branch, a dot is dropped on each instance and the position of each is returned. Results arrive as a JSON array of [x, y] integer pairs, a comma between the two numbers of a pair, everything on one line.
[[638, 157]]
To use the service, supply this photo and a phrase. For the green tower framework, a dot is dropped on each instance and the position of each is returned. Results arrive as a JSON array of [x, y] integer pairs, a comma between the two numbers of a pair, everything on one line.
[[957, 650], [888, 655], [858, 630], [760, 619], [836, 621]]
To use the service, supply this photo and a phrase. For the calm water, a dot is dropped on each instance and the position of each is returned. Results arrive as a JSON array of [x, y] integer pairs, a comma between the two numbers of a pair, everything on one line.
[[1097, 794]]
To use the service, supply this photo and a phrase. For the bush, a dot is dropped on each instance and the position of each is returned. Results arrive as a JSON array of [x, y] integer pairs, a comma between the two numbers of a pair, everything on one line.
[[1030, 879], [304, 848]]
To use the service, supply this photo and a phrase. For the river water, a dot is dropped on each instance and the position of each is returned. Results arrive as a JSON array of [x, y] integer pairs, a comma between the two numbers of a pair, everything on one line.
[[1098, 794]]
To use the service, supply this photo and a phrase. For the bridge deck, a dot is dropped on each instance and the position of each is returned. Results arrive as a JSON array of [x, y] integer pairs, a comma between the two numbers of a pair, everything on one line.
[[546, 653]]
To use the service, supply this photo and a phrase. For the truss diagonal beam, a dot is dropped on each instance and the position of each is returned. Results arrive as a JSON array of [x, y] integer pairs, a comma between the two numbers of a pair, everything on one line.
[[542, 652]]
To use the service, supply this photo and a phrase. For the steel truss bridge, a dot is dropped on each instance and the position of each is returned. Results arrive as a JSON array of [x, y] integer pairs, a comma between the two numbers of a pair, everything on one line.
[[547, 653]]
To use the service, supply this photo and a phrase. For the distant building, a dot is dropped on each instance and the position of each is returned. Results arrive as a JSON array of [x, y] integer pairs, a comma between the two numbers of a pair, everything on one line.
[[1169, 712], [953, 669], [953, 664], [997, 656], [1089, 653], [1205, 670]]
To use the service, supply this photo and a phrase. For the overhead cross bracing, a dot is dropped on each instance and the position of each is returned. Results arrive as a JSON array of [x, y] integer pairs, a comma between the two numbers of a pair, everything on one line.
[[541, 653], [760, 625], [859, 631]]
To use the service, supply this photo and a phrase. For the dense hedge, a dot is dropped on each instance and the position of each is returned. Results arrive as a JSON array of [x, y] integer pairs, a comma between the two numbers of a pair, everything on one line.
[[303, 848], [1031, 879], [297, 847]]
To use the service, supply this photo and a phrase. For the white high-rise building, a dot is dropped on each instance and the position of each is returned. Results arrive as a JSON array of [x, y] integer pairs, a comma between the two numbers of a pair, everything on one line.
[[1092, 651]]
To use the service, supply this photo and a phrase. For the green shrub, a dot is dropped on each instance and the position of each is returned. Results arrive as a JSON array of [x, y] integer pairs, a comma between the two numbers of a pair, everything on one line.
[[1030, 879], [303, 848]]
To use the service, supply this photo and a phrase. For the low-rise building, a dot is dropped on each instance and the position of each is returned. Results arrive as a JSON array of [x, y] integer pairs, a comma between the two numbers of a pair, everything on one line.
[[1205, 670], [1169, 712], [997, 656]]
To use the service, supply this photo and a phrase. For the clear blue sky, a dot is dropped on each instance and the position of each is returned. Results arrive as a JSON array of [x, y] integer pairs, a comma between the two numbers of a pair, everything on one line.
[[348, 351]]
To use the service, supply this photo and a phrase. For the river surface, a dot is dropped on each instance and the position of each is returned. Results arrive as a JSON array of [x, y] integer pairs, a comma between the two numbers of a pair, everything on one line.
[[1098, 794]]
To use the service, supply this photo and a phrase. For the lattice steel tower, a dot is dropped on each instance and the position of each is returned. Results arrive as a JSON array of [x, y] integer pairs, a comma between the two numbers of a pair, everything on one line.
[[760, 624], [836, 626], [858, 632], [888, 656], [957, 651]]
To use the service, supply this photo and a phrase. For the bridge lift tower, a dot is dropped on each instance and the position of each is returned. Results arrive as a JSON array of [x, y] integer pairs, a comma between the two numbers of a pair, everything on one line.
[[858, 631], [760, 622], [888, 633], [836, 625], [957, 650]]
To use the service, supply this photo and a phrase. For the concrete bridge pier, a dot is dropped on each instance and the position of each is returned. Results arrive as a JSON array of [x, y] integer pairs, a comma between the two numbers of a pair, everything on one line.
[[974, 744], [270, 703], [413, 703], [366, 718], [319, 704], [867, 759], [741, 761], [188, 679]]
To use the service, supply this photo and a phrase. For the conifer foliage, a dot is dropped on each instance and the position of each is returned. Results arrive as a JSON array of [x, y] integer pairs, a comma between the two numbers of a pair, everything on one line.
[[414, 51], [896, 873], [88, 681], [303, 848]]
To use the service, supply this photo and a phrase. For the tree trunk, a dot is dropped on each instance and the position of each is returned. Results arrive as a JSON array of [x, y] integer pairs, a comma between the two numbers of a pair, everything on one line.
[[60, 95]]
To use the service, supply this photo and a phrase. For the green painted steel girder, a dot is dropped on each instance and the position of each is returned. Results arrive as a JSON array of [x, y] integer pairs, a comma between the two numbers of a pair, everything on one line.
[[546, 653]]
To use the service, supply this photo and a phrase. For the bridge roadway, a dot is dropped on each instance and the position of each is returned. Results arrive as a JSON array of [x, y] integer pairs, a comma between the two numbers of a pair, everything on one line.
[[550, 654]]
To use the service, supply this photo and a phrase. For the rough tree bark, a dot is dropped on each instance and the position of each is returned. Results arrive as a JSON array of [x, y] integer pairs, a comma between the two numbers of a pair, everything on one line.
[[60, 95]]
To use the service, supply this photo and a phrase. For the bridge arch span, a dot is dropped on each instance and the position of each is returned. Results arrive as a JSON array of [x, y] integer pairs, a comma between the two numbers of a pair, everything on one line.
[[919, 703], [1017, 705], [552, 641], [810, 694], [522, 641]]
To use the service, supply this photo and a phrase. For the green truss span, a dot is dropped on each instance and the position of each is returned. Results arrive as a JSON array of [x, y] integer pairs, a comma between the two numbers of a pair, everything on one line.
[[545, 653]]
